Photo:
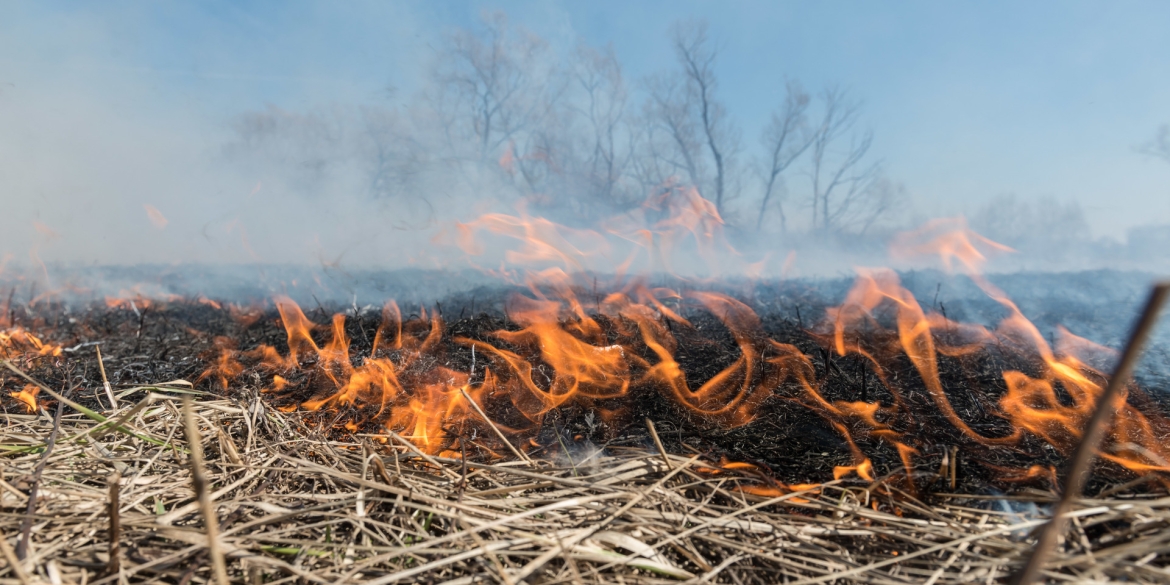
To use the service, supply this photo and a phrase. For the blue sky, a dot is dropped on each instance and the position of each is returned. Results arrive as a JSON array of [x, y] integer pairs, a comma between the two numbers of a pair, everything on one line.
[[967, 100]]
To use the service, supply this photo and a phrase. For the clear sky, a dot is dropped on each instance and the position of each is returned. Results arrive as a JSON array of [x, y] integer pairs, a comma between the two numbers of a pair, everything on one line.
[[967, 100]]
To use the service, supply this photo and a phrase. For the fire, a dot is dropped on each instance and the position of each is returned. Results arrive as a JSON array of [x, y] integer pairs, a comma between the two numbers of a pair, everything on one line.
[[400, 387], [28, 396], [569, 346], [598, 355], [18, 342], [675, 223], [1031, 402]]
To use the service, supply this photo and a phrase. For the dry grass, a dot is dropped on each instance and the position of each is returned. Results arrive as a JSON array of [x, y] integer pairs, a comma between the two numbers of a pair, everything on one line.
[[296, 505]]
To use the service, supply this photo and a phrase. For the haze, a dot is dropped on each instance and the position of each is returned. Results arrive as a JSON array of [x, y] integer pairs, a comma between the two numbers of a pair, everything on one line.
[[223, 133]]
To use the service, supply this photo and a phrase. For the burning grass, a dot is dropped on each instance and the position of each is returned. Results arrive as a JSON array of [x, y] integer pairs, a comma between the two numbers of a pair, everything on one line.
[[308, 495], [876, 443], [298, 505]]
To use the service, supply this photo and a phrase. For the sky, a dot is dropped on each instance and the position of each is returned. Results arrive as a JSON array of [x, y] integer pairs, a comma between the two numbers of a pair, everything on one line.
[[105, 107]]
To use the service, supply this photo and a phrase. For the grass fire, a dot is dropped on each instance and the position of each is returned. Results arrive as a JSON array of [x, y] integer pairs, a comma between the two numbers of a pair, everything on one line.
[[657, 427], [542, 293]]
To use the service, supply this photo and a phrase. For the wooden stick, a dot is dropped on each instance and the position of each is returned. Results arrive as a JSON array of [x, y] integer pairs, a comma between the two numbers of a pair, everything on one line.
[[424, 456], [954, 467], [31, 510], [1100, 422], [106, 381], [115, 534], [658, 443], [199, 482], [518, 453]]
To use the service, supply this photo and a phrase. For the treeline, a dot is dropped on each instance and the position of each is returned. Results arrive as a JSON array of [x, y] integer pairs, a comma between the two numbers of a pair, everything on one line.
[[573, 138]]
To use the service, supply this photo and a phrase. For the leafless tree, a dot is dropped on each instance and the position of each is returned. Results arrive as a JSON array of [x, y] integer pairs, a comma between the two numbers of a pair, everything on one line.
[[598, 77], [785, 138], [690, 131], [1045, 228], [564, 135], [494, 85], [672, 140], [696, 54], [843, 185]]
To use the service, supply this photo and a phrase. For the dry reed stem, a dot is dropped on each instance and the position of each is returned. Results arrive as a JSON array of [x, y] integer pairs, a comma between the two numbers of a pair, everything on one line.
[[1095, 430], [105, 380], [658, 443], [115, 529], [199, 482], [518, 453], [288, 498]]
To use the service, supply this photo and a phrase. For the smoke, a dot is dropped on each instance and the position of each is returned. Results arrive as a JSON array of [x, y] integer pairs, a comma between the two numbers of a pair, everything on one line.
[[177, 136], [109, 159]]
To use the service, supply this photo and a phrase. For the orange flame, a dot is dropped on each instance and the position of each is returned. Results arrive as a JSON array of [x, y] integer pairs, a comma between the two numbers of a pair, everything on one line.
[[597, 354], [17, 341], [28, 396]]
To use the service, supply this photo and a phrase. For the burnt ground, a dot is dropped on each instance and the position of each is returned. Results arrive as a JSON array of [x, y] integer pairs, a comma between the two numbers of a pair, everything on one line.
[[164, 341]]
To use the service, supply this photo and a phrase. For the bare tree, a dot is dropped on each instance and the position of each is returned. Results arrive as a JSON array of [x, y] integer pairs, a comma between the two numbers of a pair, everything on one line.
[[785, 138], [689, 133], [598, 76], [697, 57], [669, 112], [1043, 228], [843, 188], [495, 85]]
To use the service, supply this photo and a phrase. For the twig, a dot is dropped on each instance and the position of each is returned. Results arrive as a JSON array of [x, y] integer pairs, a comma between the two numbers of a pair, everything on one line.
[[715, 571], [658, 443], [954, 466], [199, 482], [114, 564], [586, 532], [106, 381], [1100, 422], [518, 453], [31, 509], [425, 457], [150, 399]]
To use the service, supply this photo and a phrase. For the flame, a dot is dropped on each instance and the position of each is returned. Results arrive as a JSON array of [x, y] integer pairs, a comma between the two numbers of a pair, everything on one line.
[[45, 230], [950, 239], [18, 342], [28, 396], [569, 347], [863, 470], [399, 386], [225, 366], [565, 352], [675, 222]]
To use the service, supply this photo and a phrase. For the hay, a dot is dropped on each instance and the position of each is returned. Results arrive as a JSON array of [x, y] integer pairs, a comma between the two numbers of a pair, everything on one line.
[[295, 504]]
